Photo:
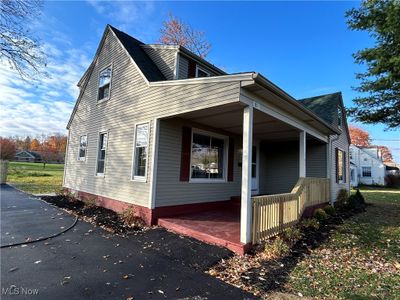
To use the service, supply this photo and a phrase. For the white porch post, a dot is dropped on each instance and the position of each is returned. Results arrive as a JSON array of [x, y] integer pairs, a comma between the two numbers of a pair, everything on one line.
[[302, 151], [246, 206]]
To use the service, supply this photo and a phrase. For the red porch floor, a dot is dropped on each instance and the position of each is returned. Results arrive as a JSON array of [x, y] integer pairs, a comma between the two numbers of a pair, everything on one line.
[[219, 226]]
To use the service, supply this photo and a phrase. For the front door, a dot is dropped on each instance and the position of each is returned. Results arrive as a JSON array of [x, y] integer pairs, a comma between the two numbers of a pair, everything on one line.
[[254, 171]]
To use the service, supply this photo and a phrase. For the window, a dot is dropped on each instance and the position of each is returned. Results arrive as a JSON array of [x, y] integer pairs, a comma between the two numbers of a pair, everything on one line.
[[351, 153], [141, 148], [340, 166], [201, 72], [366, 172], [101, 155], [208, 157], [104, 84], [82, 147]]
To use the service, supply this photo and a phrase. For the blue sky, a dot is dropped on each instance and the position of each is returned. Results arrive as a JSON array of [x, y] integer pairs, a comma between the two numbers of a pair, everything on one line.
[[304, 47]]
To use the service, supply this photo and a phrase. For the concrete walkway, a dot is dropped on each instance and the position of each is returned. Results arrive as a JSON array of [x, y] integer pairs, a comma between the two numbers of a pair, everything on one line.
[[87, 262]]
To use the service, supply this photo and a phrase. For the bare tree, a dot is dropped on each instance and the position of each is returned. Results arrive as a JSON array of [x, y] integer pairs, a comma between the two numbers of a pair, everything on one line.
[[176, 32], [18, 46]]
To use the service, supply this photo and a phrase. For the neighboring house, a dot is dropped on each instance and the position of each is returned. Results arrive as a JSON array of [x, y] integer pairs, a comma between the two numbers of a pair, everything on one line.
[[353, 174], [28, 156], [369, 167], [158, 128]]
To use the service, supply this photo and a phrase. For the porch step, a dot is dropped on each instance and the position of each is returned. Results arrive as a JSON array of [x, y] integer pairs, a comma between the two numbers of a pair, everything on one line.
[[219, 233]]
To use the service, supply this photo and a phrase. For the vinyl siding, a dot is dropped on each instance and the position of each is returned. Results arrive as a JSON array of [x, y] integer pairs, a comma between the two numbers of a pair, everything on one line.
[[183, 67], [316, 155], [131, 102], [279, 167], [172, 191], [183, 72], [164, 59], [341, 142]]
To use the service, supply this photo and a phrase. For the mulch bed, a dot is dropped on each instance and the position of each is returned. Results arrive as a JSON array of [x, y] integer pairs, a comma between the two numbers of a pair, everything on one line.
[[96, 215], [263, 276]]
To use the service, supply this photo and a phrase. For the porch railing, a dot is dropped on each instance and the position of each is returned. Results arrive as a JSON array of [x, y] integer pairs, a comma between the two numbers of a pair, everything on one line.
[[273, 213]]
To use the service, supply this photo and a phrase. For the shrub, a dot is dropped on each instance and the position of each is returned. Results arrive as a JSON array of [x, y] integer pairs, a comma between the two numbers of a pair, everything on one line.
[[310, 223], [320, 214], [128, 216], [330, 210], [276, 248], [356, 201], [341, 198], [7, 149], [292, 235]]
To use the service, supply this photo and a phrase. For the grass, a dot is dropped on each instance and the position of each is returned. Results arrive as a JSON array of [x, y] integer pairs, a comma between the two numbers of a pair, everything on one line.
[[33, 178], [361, 259]]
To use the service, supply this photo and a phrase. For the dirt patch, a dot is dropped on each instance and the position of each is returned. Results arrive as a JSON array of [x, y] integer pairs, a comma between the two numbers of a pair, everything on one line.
[[97, 215], [263, 276]]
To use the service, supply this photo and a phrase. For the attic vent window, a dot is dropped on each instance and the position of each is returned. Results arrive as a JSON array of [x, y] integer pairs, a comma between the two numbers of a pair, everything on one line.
[[104, 84], [201, 72]]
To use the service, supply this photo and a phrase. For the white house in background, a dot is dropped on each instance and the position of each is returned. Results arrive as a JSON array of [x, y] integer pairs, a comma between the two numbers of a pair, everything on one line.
[[366, 166]]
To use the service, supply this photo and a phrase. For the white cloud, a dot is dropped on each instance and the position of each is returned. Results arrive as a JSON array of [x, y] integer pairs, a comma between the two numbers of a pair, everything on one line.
[[43, 106], [135, 17]]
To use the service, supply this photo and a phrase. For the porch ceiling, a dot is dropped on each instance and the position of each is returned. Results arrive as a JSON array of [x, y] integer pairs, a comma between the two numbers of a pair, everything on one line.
[[229, 118]]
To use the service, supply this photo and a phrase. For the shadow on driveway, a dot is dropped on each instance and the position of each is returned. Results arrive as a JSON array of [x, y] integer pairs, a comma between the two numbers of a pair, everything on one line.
[[87, 262]]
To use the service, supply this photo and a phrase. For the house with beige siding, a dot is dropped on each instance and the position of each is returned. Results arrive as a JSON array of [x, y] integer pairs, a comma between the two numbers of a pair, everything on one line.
[[159, 129]]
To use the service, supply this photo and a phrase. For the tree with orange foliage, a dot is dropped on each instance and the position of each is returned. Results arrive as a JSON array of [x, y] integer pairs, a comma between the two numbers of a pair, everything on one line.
[[359, 137], [386, 154], [35, 145], [7, 149], [176, 32]]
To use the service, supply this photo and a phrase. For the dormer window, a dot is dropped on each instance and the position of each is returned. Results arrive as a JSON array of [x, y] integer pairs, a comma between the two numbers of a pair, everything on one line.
[[200, 72], [104, 84]]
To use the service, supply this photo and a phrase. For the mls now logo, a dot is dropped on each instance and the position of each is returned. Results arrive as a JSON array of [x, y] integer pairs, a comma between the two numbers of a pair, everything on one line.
[[15, 290]]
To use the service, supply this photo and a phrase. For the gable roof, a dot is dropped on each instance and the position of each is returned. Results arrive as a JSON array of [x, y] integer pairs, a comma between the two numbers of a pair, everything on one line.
[[30, 153], [325, 106], [143, 61]]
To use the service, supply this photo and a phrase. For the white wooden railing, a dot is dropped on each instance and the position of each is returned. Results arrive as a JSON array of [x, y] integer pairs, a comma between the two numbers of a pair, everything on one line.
[[273, 213]]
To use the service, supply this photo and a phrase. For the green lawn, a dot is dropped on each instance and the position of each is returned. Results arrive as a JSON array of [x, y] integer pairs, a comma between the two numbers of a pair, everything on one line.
[[33, 178], [361, 260]]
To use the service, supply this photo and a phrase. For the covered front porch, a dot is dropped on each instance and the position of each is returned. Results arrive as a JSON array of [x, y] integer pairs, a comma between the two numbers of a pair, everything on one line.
[[280, 167]]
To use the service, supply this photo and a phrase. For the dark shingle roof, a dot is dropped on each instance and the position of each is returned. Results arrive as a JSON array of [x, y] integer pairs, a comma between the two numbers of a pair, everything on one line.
[[144, 62], [324, 106]]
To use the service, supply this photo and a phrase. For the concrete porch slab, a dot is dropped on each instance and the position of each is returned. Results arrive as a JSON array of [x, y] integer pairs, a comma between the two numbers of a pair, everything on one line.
[[219, 227]]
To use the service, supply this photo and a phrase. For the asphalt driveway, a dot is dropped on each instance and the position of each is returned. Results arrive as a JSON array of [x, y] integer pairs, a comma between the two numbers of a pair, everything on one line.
[[88, 262]]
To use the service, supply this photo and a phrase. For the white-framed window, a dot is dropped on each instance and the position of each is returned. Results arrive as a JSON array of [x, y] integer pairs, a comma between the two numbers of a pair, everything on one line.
[[101, 153], [104, 84], [200, 72], [366, 172], [208, 157], [141, 149], [341, 165], [82, 147]]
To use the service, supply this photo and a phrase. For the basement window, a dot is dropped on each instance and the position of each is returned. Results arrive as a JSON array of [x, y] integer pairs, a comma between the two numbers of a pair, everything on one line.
[[104, 84]]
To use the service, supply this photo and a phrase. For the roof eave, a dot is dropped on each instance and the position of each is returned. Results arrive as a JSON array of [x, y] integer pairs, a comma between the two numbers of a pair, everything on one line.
[[261, 80]]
